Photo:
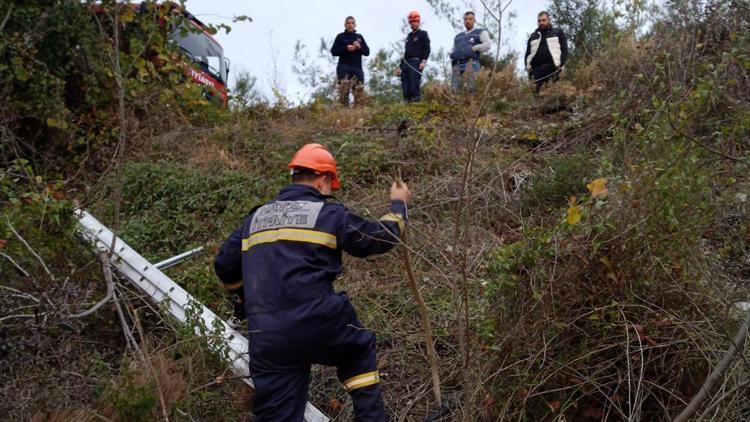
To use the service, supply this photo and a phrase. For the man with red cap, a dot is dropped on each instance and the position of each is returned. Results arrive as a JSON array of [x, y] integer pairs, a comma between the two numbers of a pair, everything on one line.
[[281, 264], [416, 52]]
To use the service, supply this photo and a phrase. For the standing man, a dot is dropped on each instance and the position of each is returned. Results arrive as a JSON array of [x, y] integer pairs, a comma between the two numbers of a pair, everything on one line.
[[349, 47], [281, 263], [546, 52], [416, 52], [467, 47]]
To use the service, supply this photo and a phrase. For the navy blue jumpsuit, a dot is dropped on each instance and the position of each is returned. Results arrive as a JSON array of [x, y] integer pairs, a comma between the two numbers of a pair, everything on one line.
[[288, 254], [416, 51]]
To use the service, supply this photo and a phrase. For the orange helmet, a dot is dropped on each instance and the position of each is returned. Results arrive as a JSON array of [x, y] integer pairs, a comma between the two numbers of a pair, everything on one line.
[[316, 157], [414, 16]]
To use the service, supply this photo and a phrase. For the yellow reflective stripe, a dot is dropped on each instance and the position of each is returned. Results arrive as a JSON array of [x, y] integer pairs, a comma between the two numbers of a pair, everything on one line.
[[396, 218], [294, 235], [361, 381], [233, 286]]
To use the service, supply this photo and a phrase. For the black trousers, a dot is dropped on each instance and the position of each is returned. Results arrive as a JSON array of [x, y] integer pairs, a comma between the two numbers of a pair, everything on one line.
[[543, 74], [411, 79]]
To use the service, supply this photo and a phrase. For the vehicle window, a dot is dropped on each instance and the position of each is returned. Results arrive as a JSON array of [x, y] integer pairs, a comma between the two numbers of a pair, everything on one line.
[[202, 50]]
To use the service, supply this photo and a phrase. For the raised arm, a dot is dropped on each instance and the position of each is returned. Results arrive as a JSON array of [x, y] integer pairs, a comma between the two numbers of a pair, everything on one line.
[[361, 237]]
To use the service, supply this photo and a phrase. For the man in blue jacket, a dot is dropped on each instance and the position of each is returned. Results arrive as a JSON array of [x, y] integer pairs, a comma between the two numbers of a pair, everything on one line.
[[546, 52], [416, 52], [467, 47], [281, 263], [349, 46]]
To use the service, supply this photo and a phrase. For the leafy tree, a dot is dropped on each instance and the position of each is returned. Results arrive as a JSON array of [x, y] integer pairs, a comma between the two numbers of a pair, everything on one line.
[[59, 86], [316, 72], [245, 93]]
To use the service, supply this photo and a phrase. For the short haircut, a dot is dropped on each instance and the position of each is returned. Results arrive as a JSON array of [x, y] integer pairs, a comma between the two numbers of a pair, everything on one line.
[[350, 17], [304, 177], [469, 13], [543, 13]]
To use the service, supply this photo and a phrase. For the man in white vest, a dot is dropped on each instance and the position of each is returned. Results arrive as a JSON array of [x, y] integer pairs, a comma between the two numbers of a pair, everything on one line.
[[546, 52], [467, 47]]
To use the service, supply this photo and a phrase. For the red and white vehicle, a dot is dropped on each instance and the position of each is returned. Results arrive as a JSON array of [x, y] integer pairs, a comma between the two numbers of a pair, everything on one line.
[[201, 48], [205, 63]]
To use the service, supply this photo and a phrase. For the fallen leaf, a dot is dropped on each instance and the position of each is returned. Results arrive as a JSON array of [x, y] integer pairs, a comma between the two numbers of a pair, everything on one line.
[[335, 405], [530, 136], [57, 123], [554, 406], [3, 242], [598, 187], [488, 406], [573, 215]]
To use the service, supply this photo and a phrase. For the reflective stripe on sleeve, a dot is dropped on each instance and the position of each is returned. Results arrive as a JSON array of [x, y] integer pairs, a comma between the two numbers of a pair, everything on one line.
[[294, 235], [361, 381], [396, 218], [233, 286]]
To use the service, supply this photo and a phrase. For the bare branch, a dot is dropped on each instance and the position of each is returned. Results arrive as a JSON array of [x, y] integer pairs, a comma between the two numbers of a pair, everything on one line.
[[39, 258], [737, 343], [15, 264], [107, 271], [424, 318], [7, 16]]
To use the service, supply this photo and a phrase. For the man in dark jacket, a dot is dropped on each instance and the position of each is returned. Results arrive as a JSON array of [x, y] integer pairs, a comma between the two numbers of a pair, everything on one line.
[[416, 52], [349, 46], [281, 263], [546, 52]]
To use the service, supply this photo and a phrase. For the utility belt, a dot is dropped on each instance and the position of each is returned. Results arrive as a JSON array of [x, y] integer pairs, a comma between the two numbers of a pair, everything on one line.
[[408, 59]]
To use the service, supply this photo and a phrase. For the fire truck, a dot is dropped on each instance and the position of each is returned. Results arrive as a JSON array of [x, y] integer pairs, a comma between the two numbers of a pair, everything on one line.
[[211, 67], [204, 61]]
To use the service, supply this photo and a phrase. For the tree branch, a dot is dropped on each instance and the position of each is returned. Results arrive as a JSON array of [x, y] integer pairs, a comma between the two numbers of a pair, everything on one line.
[[15, 264], [7, 16], [107, 271], [737, 343], [39, 258], [425, 321]]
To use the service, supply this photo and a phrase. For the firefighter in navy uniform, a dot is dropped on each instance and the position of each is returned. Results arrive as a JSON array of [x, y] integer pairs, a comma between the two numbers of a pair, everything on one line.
[[416, 53], [282, 263]]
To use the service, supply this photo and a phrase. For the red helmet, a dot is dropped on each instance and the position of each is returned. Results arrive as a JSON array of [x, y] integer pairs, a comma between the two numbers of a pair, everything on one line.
[[414, 16], [316, 157]]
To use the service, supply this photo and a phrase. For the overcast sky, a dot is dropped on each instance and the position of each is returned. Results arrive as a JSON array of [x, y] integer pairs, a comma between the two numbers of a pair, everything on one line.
[[277, 25]]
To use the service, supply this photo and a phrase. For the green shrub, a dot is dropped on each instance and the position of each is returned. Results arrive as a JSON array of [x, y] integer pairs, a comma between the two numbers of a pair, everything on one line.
[[169, 208], [560, 178]]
